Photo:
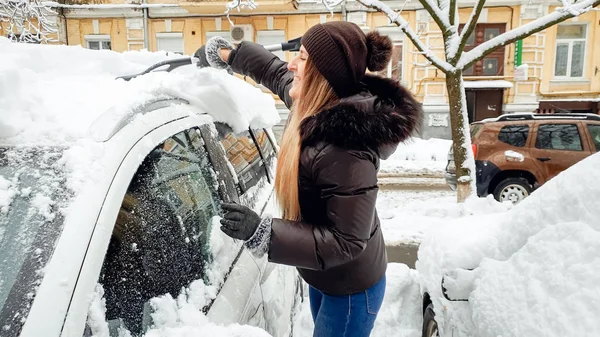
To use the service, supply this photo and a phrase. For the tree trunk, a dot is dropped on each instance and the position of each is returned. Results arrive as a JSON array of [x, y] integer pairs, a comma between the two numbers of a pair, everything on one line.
[[461, 138]]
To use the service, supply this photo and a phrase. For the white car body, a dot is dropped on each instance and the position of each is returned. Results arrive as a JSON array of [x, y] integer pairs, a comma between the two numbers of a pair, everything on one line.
[[62, 299], [482, 275]]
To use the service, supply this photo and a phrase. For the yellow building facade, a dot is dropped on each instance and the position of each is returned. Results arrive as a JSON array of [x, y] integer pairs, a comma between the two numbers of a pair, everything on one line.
[[559, 68]]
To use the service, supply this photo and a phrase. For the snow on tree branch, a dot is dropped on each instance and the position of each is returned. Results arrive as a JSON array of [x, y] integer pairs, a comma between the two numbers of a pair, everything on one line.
[[28, 20], [405, 27], [437, 14], [237, 4], [467, 29], [559, 15]]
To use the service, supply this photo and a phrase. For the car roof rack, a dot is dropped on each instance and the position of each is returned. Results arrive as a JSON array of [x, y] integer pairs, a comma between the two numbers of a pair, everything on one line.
[[532, 116]]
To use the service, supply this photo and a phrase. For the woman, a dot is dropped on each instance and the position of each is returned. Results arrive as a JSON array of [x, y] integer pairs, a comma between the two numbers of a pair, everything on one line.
[[342, 123]]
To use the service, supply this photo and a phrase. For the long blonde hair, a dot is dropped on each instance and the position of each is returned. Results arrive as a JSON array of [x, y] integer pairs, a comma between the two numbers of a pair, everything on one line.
[[316, 95]]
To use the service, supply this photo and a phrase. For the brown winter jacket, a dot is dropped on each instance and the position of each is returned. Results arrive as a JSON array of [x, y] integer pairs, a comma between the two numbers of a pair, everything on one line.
[[338, 246]]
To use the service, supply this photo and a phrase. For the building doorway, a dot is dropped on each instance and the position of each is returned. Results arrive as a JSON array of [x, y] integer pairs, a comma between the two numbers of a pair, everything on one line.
[[484, 103]]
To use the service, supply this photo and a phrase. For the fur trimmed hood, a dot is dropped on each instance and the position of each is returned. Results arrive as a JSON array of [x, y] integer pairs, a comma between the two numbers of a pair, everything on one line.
[[381, 116]]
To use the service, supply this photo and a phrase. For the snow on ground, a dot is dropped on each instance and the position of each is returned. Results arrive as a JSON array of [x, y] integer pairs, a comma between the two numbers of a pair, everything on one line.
[[418, 156], [534, 269], [400, 314], [407, 215]]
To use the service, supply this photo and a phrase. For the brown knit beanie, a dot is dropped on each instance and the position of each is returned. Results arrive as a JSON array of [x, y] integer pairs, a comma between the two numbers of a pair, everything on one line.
[[342, 52]]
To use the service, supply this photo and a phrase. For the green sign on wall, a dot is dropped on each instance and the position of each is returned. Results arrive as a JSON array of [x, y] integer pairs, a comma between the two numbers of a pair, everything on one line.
[[518, 52]]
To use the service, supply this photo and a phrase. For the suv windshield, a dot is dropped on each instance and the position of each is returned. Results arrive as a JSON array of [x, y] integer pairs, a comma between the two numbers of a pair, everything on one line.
[[32, 193]]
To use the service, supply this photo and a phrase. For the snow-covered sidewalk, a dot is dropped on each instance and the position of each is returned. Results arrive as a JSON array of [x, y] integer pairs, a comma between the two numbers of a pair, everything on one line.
[[417, 156]]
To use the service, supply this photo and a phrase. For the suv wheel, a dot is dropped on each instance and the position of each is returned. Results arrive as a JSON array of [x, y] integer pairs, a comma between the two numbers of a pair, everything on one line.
[[430, 326], [513, 190]]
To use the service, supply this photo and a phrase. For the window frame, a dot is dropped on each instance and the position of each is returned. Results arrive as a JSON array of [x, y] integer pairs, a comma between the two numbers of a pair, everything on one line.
[[476, 69], [99, 39], [569, 42], [529, 129], [595, 147], [275, 33], [171, 36], [579, 133]]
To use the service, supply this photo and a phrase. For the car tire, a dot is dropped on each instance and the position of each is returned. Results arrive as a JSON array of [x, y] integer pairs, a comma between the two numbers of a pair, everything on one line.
[[430, 326], [513, 190]]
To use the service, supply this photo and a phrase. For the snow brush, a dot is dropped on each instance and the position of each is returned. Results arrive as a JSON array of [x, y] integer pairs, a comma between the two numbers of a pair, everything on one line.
[[291, 45]]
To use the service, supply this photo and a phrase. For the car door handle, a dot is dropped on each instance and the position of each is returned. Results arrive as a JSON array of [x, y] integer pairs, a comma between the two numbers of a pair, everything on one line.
[[543, 159]]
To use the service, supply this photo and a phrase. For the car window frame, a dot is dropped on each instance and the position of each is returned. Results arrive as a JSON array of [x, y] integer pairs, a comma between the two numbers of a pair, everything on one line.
[[578, 125], [589, 136]]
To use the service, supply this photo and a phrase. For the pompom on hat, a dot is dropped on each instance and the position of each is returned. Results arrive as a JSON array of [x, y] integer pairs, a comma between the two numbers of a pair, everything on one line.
[[342, 52]]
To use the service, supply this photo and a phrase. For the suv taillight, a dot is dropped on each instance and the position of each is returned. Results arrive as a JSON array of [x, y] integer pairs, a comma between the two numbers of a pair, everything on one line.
[[474, 147]]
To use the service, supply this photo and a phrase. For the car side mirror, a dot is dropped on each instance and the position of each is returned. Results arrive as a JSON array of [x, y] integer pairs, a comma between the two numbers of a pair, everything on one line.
[[458, 284]]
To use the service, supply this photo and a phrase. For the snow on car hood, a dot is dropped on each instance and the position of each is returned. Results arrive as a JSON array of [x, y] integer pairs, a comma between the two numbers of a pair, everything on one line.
[[534, 268], [52, 94]]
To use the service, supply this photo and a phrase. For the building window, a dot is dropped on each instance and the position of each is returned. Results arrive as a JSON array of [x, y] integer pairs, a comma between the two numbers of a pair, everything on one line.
[[394, 67], [224, 34], [570, 51], [269, 37], [172, 42], [98, 42], [493, 63]]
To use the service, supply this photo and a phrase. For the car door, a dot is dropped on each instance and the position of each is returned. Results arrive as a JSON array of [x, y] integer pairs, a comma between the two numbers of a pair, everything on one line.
[[558, 146], [165, 240], [252, 178]]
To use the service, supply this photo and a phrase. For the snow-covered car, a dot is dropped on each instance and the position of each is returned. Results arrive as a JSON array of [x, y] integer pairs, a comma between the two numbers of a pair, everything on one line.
[[531, 271], [116, 229]]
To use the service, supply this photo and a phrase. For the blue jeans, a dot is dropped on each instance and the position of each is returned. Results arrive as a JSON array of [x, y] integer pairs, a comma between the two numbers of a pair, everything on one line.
[[346, 316]]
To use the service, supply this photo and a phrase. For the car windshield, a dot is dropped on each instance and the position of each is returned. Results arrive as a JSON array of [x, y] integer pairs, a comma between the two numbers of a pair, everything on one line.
[[32, 195]]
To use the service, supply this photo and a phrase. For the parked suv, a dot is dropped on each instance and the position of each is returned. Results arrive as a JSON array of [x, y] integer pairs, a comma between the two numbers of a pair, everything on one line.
[[516, 153]]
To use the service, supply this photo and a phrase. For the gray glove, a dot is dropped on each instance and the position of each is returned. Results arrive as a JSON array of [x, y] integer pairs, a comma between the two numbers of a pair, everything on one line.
[[239, 222], [212, 51], [201, 55]]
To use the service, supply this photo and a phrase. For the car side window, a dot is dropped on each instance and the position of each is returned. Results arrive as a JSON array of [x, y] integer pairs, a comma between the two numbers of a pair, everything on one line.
[[558, 137], [594, 130], [243, 155], [160, 239], [514, 135], [267, 148]]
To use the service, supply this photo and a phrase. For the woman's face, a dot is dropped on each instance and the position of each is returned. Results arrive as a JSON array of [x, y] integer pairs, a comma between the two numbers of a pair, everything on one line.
[[296, 65]]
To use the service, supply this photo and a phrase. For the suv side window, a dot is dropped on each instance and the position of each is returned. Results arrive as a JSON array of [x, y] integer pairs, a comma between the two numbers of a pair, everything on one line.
[[594, 130], [244, 156], [160, 240], [514, 135], [558, 137]]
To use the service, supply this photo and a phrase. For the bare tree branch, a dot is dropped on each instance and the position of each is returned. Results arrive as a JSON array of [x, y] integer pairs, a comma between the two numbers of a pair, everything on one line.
[[559, 15], [405, 27], [452, 12], [28, 20], [469, 27]]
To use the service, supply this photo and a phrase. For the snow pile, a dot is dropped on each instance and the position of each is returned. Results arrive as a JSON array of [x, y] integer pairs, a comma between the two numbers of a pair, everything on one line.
[[183, 317], [400, 314], [418, 156], [550, 287], [180, 317], [6, 195], [534, 268], [223, 249], [54, 93]]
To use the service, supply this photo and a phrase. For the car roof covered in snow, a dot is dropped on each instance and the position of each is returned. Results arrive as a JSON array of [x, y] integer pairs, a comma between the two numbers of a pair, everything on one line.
[[60, 94]]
